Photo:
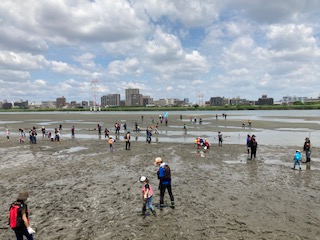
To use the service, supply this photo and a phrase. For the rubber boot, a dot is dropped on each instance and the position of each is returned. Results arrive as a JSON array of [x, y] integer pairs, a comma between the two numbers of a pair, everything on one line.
[[143, 213]]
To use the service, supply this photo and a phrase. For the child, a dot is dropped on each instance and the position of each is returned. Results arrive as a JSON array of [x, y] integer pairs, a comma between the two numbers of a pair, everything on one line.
[[111, 141], [297, 159], [147, 194]]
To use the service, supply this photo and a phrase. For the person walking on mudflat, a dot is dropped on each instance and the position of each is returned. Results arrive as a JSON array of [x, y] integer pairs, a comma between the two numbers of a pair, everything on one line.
[[127, 139], [297, 160], [111, 141], [164, 176], [220, 138], [253, 146], [248, 144], [18, 218], [307, 150], [147, 195]]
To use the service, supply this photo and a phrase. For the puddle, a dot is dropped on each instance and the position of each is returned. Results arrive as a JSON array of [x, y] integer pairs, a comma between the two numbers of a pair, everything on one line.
[[73, 150], [236, 161], [290, 165]]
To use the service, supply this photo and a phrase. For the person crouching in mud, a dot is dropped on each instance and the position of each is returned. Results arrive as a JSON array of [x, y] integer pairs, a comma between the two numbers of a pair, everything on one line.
[[164, 176]]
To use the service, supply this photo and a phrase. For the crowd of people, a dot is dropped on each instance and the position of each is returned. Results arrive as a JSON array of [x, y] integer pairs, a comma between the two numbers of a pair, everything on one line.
[[18, 213]]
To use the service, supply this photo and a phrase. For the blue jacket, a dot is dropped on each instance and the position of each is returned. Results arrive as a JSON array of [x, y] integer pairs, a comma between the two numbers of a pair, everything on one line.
[[161, 174], [297, 156]]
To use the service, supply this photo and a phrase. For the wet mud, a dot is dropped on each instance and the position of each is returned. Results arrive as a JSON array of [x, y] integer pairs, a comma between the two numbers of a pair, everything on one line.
[[80, 190]]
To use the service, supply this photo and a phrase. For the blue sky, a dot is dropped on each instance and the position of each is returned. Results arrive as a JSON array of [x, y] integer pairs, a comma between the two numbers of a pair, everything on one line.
[[167, 48]]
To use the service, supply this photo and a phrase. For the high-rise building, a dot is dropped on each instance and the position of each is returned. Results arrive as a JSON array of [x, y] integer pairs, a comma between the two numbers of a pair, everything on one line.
[[147, 100], [129, 93], [85, 104], [110, 100], [61, 102], [264, 100], [216, 101], [136, 99]]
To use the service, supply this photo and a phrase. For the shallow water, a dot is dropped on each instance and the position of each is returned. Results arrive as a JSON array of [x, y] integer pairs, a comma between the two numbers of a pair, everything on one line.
[[232, 134]]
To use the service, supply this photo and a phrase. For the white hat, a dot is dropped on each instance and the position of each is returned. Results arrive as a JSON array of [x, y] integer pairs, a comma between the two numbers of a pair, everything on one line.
[[142, 179]]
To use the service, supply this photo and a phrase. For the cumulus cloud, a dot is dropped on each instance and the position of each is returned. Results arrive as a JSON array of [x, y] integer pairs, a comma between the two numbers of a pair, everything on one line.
[[40, 82], [21, 61], [127, 67]]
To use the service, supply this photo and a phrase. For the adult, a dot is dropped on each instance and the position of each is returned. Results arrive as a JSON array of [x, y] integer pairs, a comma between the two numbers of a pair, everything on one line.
[[307, 149], [220, 138], [253, 146], [248, 144], [149, 134], [127, 139], [99, 129], [106, 133], [19, 217], [164, 176], [43, 130], [72, 132]]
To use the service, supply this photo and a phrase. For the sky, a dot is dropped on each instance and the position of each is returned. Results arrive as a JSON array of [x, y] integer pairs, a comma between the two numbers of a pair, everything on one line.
[[166, 48]]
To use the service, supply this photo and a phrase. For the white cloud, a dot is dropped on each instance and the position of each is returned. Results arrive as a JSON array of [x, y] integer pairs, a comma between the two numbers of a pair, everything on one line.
[[21, 61], [40, 83], [126, 67], [65, 68]]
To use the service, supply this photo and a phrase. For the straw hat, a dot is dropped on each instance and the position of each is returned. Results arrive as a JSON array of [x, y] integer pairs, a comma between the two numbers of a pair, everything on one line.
[[158, 160]]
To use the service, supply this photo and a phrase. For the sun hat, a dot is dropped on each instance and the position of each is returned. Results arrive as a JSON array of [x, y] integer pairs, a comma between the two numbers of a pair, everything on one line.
[[23, 195], [158, 160], [142, 179], [297, 150]]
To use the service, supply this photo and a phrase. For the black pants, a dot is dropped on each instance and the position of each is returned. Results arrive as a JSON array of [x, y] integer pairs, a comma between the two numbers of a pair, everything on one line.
[[127, 145], [20, 232], [253, 152], [162, 191]]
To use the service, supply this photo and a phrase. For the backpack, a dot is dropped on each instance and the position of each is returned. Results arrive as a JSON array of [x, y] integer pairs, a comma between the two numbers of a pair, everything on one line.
[[253, 143], [15, 216], [167, 174]]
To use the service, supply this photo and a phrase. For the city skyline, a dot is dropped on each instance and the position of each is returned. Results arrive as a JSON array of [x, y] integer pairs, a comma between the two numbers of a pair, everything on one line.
[[167, 49]]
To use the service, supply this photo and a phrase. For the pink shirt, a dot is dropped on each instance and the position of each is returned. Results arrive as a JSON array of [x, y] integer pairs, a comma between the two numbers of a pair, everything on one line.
[[144, 189]]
